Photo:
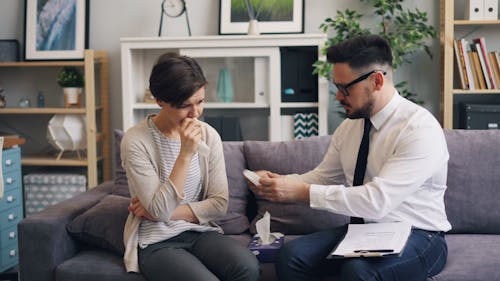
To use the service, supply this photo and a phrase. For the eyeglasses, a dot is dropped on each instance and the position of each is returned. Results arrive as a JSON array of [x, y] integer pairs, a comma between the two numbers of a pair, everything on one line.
[[343, 88]]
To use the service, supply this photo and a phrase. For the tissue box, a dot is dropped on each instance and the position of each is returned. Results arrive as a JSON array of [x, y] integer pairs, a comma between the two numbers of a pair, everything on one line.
[[266, 253]]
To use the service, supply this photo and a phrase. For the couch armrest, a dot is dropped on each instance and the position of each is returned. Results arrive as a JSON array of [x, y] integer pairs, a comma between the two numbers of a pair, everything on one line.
[[44, 242]]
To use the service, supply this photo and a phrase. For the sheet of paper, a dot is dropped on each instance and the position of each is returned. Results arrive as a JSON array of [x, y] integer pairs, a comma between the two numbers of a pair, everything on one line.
[[373, 239]]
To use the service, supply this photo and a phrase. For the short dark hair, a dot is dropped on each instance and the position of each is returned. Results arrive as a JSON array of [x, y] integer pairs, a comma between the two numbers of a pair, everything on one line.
[[361, 51], [175, 78]]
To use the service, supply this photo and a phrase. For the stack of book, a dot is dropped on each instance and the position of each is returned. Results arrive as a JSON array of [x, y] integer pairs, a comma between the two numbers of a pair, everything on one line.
[[11, 140], [477, 68]]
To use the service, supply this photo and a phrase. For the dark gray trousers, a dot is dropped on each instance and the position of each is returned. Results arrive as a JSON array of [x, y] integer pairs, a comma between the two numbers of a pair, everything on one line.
[[198, 256]]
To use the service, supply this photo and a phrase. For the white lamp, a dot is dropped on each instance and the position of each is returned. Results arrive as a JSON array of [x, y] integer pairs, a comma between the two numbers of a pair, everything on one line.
[[66, 132]]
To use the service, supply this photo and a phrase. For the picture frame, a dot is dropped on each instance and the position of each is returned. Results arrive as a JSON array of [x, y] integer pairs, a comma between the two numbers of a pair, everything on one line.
[[55, 30], [275, 17]]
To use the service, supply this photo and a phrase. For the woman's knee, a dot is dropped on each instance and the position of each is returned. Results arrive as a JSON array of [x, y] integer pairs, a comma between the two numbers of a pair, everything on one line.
[[245, 267]]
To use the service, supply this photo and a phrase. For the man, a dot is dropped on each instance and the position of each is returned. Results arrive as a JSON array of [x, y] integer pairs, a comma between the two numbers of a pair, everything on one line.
[[402, 178]]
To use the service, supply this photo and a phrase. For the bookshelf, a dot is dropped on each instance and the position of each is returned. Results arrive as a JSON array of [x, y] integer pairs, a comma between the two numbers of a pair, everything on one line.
[[453, 26], [95, 111]]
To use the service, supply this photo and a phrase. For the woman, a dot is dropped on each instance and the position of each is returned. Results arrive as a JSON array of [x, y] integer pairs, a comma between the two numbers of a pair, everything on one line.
[[176, 191]]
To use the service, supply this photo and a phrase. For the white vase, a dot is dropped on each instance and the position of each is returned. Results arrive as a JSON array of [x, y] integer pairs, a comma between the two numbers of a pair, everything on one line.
[[72, 95], [253, 27]]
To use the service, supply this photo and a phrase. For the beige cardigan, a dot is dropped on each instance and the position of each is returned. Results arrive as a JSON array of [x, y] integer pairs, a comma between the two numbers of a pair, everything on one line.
[[140, 159]]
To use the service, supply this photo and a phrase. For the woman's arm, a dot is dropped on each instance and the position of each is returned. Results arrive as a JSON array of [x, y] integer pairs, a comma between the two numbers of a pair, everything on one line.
[[215, 187]]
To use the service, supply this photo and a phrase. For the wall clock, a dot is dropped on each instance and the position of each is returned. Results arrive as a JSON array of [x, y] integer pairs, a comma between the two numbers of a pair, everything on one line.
[[173, 9]]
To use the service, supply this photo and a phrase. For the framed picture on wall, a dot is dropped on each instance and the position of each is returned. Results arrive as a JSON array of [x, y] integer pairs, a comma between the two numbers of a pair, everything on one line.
[[55, 30], [278, 16]]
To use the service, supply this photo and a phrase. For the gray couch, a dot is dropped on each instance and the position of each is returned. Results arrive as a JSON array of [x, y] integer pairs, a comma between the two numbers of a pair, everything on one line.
[[80, 239]]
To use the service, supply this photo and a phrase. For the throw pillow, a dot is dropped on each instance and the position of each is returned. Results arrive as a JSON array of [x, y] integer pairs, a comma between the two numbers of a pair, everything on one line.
[[288, 157], [102, 225], [235, 221], [121, 183]]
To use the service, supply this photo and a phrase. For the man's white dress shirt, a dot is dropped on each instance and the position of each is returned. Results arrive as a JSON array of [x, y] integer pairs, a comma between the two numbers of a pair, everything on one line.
[[406, 172]]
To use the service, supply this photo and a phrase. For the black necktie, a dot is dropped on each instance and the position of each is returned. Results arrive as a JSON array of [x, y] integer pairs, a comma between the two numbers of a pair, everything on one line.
[[359, 172]]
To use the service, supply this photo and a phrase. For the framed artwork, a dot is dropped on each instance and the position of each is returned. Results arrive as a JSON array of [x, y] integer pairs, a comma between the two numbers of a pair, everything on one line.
[[55, 30], [277, 16]]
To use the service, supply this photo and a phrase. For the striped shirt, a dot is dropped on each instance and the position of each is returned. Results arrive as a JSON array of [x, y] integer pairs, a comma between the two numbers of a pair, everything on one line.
[[152, 232]]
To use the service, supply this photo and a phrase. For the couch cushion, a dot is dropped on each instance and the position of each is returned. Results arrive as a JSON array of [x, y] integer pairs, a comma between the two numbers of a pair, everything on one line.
[[288, 157], [472, 196], [102, 225], [471, 257], [95, 265], [235, 221], [121, 182]]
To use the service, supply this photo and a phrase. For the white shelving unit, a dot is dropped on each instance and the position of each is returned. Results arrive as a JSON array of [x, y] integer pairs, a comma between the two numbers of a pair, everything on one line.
[[254, 63]]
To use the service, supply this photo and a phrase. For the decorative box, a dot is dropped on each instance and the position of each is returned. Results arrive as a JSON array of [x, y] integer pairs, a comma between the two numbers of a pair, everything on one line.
[[44, 190], [266, 253], [9, 50]]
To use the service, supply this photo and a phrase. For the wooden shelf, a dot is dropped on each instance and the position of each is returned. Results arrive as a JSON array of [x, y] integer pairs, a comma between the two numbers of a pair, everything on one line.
[[476, 22], [472, 92], [47, 160], [44, 110], [41, 63]]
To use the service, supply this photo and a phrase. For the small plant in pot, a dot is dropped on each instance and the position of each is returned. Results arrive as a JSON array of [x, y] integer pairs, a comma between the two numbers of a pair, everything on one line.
[[72, 82]]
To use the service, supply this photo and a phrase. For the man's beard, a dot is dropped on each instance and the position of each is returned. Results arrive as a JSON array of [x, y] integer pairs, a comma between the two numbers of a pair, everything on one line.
[[365, 111]]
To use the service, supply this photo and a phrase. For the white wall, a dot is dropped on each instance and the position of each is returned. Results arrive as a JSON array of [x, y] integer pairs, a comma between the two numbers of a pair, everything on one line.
[[112, 19]]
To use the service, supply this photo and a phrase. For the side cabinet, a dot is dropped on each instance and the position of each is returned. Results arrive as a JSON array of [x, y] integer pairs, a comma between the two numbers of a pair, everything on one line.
[[11, 207]]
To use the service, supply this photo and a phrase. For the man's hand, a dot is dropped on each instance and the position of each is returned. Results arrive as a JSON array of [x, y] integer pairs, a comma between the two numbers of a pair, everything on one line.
[[138, 210], [275, 187]]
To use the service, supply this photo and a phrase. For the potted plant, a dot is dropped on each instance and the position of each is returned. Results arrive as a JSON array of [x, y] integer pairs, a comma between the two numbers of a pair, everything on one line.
[[72, 82], [407, 32]]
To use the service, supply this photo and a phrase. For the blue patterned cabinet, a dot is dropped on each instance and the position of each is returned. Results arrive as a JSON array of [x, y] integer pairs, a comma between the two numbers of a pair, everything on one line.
[[11, 207]]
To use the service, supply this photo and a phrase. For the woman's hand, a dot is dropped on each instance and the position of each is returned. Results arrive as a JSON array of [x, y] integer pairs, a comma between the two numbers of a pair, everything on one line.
[[190, 134], [138, 210]]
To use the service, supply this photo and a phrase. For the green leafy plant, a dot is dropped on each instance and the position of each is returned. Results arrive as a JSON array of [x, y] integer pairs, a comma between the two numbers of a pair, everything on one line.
[[407, 32], [69, 76]]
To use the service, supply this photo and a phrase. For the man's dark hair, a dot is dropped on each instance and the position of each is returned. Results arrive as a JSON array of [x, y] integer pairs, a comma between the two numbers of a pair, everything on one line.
[[361, 51], [175, 78]]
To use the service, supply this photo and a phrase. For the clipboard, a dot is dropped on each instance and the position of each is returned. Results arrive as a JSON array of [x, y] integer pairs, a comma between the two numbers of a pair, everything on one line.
[[372, 240]]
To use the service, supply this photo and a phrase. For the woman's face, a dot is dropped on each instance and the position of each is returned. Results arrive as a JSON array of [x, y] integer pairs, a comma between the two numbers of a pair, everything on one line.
[[191, 108]]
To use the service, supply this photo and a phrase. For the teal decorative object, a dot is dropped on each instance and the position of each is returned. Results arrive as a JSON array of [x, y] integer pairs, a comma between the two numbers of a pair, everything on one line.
[[225, 90]]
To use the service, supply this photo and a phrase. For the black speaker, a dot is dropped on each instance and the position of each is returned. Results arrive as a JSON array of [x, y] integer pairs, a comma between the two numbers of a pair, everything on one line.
[[298, 83], [479, 116]]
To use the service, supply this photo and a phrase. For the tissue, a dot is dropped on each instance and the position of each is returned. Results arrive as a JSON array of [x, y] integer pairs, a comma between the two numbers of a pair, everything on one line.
[[266, 244], [263, 227], [203, 148]]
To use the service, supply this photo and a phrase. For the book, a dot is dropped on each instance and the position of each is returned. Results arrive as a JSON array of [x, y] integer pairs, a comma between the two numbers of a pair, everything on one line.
[[481, 45], [373, 240], [468, 68], [460, 66], [478, 70], [477, 48], [495, 67]]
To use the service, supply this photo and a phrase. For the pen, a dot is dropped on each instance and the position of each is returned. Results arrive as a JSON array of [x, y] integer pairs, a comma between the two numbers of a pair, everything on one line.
[[374, 251]]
